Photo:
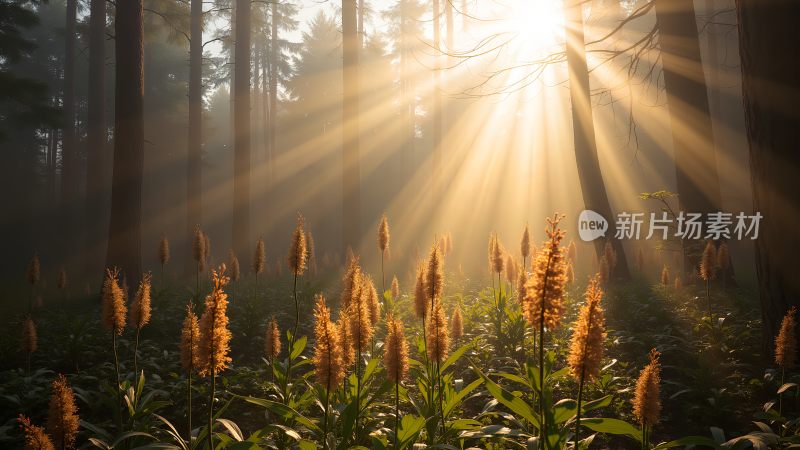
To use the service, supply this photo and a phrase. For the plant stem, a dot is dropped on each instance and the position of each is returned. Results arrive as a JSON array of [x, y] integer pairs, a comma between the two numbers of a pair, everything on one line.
[[441, 392], [358, 386], [780, 396], [578, 414], [189, 411], [211, 410], [383, 277], [325, 422], [116, 367], [291, 342], [708, 301], [396, 414], [136, 354]]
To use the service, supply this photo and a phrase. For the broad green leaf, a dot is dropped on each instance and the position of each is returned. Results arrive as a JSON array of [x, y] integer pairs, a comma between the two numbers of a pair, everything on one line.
[[510, 401], [612, 426], [689, 440], [282, 410], [232, 428]]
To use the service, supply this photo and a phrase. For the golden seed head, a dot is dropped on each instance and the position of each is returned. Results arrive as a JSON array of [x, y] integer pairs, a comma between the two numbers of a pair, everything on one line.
[[665, 275], [723, 257], [522, 282], [312, 252], [62, 279], [30, 339], [62, 417], [233, 262], [786, 342], [214, 334], [259, 257], [190, 340], [140, 310], [678, 283], [395, 288], [457, 323], [346, 339], [511, 268], [328, 358], [372, 302], [163, 250], [525, 244], [544, 293], [588, 337], [421, 301], [272, 339], [438, 338], [572, 252], [35, 436], [114, 298], [708, 262], [299, 251], [383, 234], [434, 274], [497, 257], [199, 246], [351, 282], [395, 357], [360, 312], [647, 400], [34, 269]]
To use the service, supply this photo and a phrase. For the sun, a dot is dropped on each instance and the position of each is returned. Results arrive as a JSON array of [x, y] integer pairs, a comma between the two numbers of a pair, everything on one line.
[[538, 25]]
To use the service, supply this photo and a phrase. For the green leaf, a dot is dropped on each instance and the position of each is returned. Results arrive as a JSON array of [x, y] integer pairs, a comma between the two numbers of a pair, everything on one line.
[[233, 429], [282, 410], [298, 347], [455, 356], [510, 401], [613, 426], [454, 401], [689, 440]]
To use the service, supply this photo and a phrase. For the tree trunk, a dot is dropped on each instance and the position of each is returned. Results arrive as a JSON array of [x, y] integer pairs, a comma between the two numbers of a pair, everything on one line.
[[124, 231], [69, 181], [351, 173], [96, 139], [437, 103], [687, 98], [768, 42], [273, 88], [194, 180], [241, 112], [591, 178]]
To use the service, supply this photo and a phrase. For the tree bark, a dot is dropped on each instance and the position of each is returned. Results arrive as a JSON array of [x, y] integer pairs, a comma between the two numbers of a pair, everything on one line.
[[687, 98], [124, 231], [593, 186], [194, 180], [241, 112], [69, 181], [97, 137], [437, 103], [351, 173], [273, 88], [768, 43]]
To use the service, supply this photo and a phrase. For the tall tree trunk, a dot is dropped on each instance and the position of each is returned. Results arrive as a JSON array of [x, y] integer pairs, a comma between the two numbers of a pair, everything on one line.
[[591, 178], [97, 137], [361, 23], [687, 98], [194, 180], [241, 110], [124, 231], [437, 102], [351, 173], [768, 42], [273, 89], [69, 181], [408, 134], [264, 106]]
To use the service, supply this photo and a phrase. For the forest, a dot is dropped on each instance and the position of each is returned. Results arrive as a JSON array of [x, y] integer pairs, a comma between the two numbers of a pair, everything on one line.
[[399, 224]]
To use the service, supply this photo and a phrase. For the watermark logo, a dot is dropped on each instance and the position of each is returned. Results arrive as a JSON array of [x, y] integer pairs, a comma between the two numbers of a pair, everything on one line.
[[694, 226], [591, 225]]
